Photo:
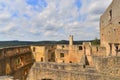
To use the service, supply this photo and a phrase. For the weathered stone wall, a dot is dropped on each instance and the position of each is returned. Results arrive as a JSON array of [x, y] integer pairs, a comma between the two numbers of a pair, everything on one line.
[[72, 53], [98, 51], [44, 53], [54, 71], [58, 58], [39, 53], [110, 23], [110, 28], [6, 78], [16, 61], [62, 46], [75, 53], [108, 65]]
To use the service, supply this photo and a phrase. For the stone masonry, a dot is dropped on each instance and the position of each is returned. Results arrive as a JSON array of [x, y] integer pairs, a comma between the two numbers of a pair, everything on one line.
[[86, 62], [69, 62]]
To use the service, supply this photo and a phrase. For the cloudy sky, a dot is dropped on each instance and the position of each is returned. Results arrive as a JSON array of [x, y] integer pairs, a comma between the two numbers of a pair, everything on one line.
[[36, 20]]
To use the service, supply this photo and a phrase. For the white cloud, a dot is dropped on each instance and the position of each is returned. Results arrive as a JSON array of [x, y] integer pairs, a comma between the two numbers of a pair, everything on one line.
[[56, 21], [7, 28]]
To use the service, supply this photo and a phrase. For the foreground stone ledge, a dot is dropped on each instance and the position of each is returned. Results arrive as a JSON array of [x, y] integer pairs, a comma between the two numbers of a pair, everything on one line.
[[41, 71], [6, 78]]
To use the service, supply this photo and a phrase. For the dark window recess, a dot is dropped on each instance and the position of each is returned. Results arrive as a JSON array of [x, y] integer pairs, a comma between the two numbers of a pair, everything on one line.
[[53, 55], [61, 54], [119, 22], [116, 48], [46, 79], [70, 61], [33, 49], [114, 29], [63, 46], [49, 50], [41, 59], [110, 12], [80, 48], [97, 48], [48, 60]]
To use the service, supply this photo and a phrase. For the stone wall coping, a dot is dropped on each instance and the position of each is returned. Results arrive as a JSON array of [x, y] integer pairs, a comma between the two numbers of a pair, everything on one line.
[[11, 47]]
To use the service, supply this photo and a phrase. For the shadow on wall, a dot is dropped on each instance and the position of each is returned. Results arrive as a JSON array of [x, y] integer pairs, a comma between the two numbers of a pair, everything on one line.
[[47, 79]]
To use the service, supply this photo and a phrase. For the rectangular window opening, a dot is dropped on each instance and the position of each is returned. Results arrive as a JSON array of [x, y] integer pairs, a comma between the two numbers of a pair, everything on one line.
[[61, 55]]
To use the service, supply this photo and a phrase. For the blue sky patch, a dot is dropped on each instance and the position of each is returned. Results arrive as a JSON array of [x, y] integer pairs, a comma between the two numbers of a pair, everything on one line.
[[33, 2], [37, 5], [26, 16], [15, 14], [78, 3], [41, 3], [2, 6]]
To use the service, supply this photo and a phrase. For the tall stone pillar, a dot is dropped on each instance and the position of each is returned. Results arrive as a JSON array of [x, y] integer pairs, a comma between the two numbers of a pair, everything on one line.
[[71, 40]]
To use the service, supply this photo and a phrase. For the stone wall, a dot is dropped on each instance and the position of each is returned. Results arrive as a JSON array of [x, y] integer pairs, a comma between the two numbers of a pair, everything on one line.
[[109, 24], [39, 53], [16, 61], [54, 71], [62, 46], [44, 53], [6, 78], [110, 28], [71, 53], [98, 51], [108, 65]]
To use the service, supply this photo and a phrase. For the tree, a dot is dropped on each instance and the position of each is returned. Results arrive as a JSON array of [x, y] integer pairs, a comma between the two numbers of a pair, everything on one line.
[[96, 41]]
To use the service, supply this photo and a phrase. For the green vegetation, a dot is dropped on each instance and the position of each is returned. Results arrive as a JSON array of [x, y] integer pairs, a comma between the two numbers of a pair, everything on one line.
[[96, 42]]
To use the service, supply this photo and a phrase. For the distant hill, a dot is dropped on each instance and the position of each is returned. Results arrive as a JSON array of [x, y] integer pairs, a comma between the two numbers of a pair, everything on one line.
[[22, 43]]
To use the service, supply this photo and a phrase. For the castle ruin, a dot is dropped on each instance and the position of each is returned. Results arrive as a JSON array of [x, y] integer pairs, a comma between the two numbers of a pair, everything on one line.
[[70, 62]]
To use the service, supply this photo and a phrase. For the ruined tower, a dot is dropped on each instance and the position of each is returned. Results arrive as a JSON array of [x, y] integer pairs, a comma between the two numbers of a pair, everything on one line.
[[110, 29], [71, 40]]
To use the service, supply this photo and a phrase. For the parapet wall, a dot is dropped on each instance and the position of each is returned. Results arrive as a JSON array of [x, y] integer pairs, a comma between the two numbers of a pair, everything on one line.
[[55, 71], [108, 65], [6, 78], [98, 51]]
